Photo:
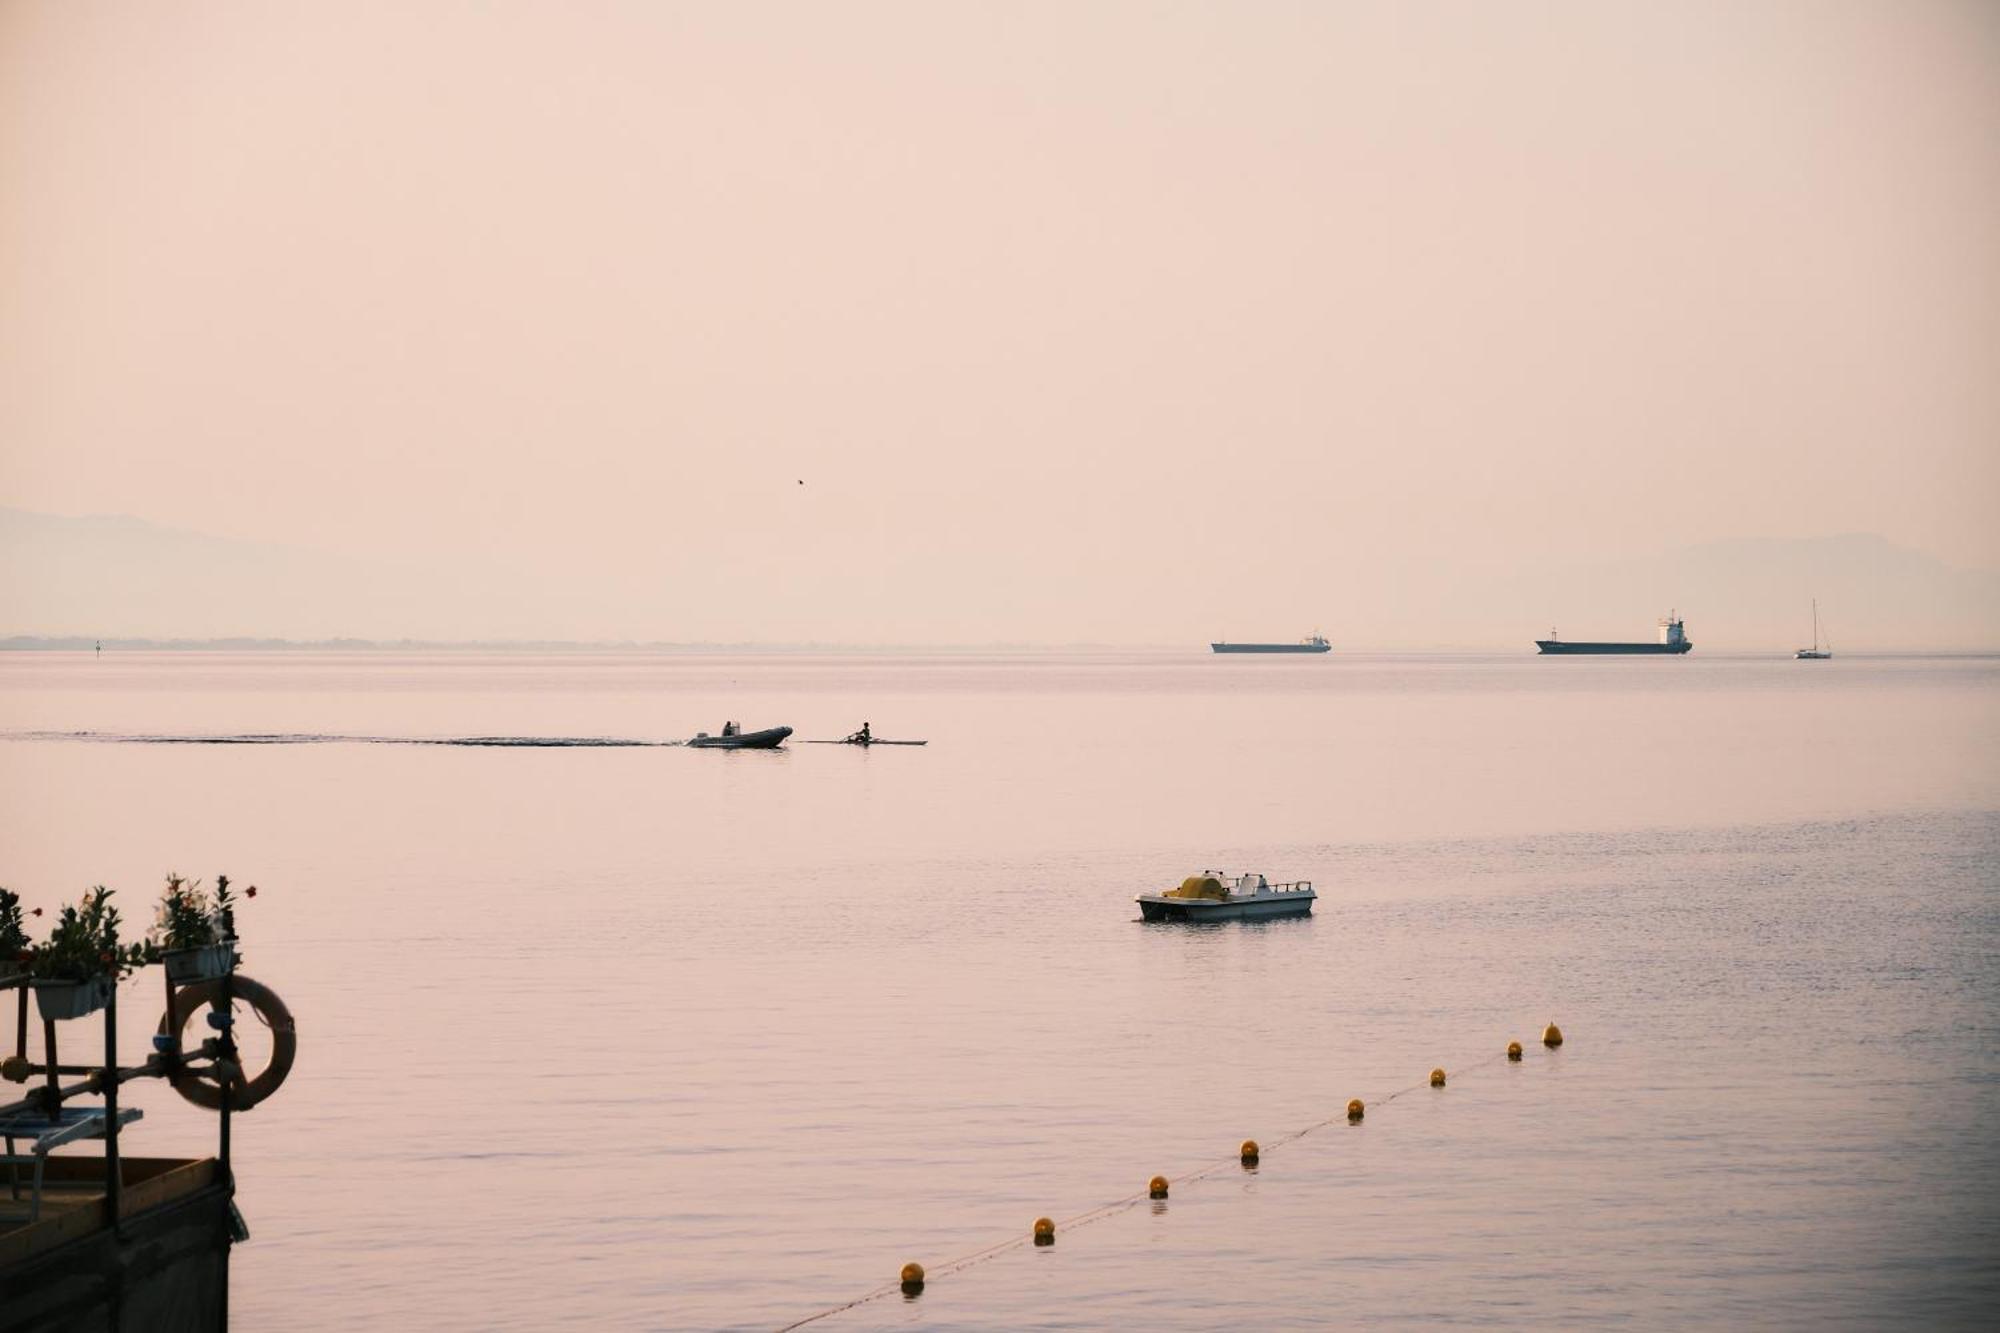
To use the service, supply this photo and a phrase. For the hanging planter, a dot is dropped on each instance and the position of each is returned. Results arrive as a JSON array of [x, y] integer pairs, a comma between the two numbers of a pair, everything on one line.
[[204, 963], [194, 934], [73, 999], [76, 970]]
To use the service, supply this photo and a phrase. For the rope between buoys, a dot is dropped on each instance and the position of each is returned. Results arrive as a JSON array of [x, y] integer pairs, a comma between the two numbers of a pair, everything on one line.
[[1116, 1206], [874, 1295]]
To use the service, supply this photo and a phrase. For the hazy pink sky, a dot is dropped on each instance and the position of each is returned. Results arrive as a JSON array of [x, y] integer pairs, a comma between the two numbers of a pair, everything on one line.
[[1084, 320]]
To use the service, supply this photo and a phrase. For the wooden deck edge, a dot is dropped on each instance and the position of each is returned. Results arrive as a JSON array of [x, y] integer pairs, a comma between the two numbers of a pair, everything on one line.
[[149, 1183]]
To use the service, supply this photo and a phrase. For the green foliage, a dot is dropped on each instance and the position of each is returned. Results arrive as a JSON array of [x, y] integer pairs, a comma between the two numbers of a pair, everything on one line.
[[187, 915], [13, 935], [84, 944], [225, 908]]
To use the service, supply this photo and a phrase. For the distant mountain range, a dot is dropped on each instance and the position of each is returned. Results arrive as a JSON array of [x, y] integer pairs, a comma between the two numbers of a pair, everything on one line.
[[70, 581], [99, 576]]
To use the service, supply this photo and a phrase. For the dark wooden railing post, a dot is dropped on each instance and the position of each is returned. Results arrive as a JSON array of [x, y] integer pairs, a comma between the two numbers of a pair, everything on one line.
[[227, 1079], [52, 1098], [113, 1173], [173, 1017], [228, 1172]]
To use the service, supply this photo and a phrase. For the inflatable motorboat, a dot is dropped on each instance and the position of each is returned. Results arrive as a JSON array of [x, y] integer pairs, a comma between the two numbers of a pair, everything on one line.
[[734, 738]]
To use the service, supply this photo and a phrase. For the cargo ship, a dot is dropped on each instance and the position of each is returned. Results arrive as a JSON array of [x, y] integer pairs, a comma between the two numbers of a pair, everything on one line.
[[1673, 639], [1316, 644]]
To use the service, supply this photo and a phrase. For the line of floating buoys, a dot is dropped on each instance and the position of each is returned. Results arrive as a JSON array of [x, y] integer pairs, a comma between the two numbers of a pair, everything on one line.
[[912, 1277]]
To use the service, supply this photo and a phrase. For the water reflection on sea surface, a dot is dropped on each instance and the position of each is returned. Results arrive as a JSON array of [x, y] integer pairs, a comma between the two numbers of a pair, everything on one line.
[[609, 1037]]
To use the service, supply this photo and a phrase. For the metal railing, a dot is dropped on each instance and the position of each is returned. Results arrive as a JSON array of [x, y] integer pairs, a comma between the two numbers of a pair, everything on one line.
[[104, 1079]]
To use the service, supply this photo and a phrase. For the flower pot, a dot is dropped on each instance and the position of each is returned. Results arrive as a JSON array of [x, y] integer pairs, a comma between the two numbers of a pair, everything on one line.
[[9, 971], [205, 963], [73, 999]]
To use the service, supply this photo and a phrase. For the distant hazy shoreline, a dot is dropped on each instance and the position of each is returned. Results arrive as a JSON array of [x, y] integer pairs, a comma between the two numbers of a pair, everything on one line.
[[29, 643], [72, 643]]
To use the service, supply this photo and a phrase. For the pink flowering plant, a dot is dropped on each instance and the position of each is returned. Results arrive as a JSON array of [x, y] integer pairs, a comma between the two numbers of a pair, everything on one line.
[[189, 916], [194, 931], [84, 946]]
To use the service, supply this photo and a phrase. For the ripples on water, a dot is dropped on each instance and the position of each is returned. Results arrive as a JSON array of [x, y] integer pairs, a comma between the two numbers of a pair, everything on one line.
[[312, 738], [672, 1039]]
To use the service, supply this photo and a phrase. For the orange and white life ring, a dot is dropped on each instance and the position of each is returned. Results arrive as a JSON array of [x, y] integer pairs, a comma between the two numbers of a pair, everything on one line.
[[201, 1086]]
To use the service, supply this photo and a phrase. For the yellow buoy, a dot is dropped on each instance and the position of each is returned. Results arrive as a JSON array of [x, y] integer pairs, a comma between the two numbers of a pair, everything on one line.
[[1248, 1152], [1437, 1078], [1355, 1110], [913, 1278], [1156, 1188], [1513, 1050], [1045, 1231], [1552, 1036]]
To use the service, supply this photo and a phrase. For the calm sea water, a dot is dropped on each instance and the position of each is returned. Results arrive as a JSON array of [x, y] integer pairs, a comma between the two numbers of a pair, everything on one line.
[[663, 1038]]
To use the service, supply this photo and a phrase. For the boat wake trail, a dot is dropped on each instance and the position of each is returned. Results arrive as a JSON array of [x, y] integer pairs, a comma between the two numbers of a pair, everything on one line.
[[320, 738]]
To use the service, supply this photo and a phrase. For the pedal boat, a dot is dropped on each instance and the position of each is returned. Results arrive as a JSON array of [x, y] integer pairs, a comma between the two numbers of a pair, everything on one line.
[[1209, 898]]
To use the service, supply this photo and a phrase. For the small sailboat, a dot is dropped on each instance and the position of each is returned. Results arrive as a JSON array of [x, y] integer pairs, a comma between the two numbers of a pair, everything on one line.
[[1815, 653]]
